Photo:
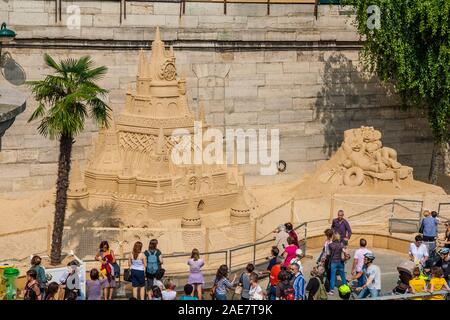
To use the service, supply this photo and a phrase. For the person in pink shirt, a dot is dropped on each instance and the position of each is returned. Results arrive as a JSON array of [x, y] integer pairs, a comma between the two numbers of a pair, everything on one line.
[[289, 251]]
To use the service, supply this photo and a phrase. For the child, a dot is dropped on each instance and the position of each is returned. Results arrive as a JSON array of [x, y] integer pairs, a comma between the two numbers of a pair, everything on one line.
[[41, 278], [156, 293], [438, 283], [94, 286], [52, 291], [417, 284], [188, 293], [169, 293], [255, 293]]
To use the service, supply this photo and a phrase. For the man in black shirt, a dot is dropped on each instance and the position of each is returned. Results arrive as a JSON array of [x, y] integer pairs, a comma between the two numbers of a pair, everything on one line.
[[444, 263]]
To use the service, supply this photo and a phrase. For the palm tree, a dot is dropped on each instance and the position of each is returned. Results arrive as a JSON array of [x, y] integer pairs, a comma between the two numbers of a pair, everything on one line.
[[65, 98]]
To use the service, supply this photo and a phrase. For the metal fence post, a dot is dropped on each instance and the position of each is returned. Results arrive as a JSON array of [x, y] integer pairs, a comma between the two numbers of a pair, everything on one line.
[[330, 220], [292, 211]]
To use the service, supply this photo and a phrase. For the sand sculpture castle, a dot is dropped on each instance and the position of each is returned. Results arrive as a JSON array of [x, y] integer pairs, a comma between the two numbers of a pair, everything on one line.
[[131, 165]]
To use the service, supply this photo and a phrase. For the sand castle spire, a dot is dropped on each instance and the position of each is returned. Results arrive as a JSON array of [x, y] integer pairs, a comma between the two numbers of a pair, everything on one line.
[[142, 72]]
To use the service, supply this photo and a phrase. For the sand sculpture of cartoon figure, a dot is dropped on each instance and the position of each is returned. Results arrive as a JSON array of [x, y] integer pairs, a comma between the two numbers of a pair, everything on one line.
[[362, 159]]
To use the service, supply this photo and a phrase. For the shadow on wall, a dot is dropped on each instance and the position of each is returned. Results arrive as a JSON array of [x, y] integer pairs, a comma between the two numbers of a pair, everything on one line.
[[85, 239], [11, 70], [349, 100]]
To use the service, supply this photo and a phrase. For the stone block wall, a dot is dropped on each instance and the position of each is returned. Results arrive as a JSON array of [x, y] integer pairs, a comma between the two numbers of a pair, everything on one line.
[[249, 70]]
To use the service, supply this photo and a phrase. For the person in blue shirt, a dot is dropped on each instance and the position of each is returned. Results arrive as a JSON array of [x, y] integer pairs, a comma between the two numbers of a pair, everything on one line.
[[298, 282], [188, 293]]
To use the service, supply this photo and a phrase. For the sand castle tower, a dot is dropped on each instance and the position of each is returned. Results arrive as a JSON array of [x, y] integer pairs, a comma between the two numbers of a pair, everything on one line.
[[132, 165]]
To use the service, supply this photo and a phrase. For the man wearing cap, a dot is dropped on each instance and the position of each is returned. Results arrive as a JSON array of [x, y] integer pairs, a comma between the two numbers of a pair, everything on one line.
[[341, 226], [297, 259]]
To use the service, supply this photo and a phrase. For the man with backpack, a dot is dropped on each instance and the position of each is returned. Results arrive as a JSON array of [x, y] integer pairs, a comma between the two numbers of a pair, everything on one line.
[[318, 285], [154, 262]]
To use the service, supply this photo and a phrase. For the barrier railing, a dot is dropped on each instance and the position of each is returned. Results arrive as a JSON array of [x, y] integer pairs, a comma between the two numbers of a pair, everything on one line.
[[409, 295]]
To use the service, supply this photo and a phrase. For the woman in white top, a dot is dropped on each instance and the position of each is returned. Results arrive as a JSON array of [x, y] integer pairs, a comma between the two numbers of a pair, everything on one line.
[[138, 264], [418, 252]]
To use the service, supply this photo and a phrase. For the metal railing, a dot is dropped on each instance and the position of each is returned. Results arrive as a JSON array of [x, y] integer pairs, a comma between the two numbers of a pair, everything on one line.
[[409, 295], [227, 253]]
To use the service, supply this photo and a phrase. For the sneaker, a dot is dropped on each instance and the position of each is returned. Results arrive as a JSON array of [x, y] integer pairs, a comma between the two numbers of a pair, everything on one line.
[[330, 293]]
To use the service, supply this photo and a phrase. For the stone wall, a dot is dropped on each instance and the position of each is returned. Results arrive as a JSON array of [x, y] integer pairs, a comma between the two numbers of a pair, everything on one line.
[[286, 71]]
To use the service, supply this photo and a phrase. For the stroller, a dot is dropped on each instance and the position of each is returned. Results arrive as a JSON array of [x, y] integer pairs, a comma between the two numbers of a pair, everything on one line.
[[405, 273]]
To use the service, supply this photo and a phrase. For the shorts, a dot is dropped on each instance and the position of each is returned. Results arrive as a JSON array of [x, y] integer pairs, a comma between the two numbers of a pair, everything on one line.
[[137, 278]]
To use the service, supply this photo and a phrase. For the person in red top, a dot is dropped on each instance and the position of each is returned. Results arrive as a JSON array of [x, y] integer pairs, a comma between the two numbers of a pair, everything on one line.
[[290, 230], [273, 269]]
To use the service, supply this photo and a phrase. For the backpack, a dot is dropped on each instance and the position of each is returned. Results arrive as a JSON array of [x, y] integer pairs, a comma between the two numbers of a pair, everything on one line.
[[152, 262], [321, 293], [289, 292]]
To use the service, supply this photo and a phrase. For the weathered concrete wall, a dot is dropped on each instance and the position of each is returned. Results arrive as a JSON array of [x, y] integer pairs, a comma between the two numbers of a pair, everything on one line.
[[309, 85]]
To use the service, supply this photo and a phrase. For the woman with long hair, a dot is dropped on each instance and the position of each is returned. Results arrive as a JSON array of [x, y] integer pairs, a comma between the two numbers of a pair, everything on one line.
[[195, 275], [137, 264], [222, 284], [107, 259], [52, 291], [154, 262]]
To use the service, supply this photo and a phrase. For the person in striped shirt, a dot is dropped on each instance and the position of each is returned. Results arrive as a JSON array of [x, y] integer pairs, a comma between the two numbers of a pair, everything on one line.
[[298, 282]]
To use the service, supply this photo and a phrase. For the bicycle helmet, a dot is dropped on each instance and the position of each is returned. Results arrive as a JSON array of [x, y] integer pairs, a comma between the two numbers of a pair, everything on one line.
[[369, 256], [344, 291], [444, 251]]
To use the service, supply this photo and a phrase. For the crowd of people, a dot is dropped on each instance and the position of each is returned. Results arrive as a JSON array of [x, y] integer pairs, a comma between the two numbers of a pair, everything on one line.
[[285, 271]]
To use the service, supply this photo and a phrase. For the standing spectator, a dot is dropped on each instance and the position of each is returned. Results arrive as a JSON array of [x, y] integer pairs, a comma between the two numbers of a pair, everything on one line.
[[32, 290], [41, 278], [358, 263], [53, 291], [324, 258], [336, 264], [318, 284], [94, 286], [154, 263], [137, 263], [298, 259], [341, 226], [291, 232], [438, 283], [68, 281], [289, 252], [373, 276], [255, 292], [195, 273], [169, 292], [273, 269], [281, 238], [430, 230], [444, 263], [188, 293], [244, 281], [417, 284], [418, 252], [107, 259], [298, 283], [222, 284], [446, 240], [284, 289]]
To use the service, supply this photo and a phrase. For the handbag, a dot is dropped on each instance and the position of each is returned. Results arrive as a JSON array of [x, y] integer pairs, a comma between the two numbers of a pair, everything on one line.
[[116, 270], [127, 274]]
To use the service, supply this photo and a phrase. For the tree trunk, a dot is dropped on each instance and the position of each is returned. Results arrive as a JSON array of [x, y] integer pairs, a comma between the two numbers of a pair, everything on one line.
[[437, 161], [62, 184], [447, 159]]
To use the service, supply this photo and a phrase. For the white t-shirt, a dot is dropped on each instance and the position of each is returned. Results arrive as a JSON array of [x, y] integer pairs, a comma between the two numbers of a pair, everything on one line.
[[281, 240], [418, 253], [255, 293], [359, 255], [169, 295], [374, 272]]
